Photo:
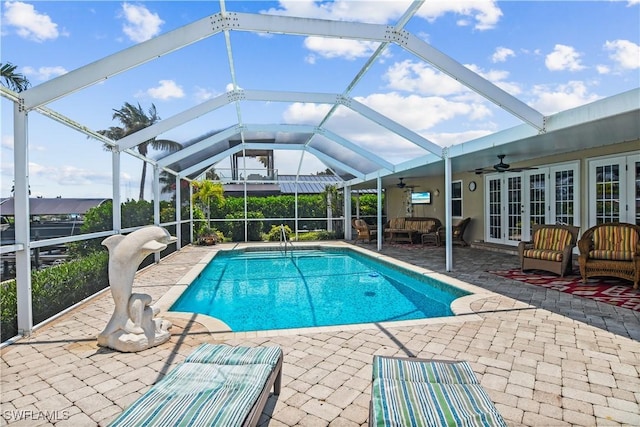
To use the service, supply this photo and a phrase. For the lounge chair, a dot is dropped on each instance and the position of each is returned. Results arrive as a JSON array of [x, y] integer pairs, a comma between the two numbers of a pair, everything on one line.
[[458, 233], [422, 392], [215, 385]]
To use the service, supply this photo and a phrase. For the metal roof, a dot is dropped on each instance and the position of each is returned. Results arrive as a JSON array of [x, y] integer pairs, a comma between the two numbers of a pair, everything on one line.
[[52, 206], [607, 121]]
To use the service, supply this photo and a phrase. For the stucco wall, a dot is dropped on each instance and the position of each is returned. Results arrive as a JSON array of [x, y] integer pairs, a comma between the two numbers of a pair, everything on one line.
[[473, 202]]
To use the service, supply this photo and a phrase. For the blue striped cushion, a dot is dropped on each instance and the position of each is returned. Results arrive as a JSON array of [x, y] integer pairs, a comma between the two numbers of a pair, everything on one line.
[[418, 393], [228, 355], [204, 390], [415, 370]]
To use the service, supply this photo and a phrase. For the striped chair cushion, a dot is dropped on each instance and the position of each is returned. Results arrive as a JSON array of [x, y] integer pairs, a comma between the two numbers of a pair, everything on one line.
[[615, 238], [416, 370], [551, 238], [408, 403], [396, 223], [422, 393], [544, 254], [205, 390], [228, 355], [612, 255]]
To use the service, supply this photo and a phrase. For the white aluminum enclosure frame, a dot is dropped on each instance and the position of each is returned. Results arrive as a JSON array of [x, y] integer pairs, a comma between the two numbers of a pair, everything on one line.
[[36, 98]]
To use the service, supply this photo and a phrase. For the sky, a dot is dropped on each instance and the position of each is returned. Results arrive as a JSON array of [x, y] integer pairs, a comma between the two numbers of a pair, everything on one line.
[[551, 55]]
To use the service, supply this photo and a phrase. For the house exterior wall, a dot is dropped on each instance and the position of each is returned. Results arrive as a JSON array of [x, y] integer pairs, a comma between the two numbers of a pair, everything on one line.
[[473, 202]]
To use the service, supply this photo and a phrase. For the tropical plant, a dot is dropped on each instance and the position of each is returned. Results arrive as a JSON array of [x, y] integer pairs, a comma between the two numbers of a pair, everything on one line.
[[208, 193], [132, 119], [14, 81]]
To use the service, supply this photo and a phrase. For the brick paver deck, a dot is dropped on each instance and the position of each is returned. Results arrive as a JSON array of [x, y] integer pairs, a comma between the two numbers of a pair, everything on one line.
[[546, 359]]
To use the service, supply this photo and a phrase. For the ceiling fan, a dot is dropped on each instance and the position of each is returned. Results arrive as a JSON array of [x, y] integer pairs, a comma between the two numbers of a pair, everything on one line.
[[403, 184], [501, 166]]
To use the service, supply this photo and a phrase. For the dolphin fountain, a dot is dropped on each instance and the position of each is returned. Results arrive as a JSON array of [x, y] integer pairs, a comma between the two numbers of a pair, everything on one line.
[[132, 326]]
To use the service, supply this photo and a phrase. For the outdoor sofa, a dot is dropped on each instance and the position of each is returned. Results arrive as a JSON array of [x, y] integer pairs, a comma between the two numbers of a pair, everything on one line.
[[410, 229], [426, 392], [611, 249], [216, 385]]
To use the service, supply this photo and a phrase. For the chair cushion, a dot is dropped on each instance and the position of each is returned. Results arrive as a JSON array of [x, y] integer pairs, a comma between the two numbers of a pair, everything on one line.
[[215, 385], [429, 393], [544, 254], [416, 370], [551, 238], [612, 255], [396, 223], [615, 238]]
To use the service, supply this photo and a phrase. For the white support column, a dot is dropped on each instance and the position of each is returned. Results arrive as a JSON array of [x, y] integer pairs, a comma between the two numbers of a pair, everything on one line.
[[447, 210], [329, 212], [23, 228], [156, 203], [190, 213], [116, 195], [178, 214], [347, 212], [379, 214]]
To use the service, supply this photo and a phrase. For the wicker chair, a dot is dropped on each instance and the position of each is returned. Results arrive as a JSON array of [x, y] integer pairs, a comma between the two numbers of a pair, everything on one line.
[[551, 249], [611, 249], [365, 231], [458, 233]]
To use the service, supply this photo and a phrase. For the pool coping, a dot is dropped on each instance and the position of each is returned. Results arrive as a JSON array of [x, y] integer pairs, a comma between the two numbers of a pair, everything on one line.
[[461, 306]]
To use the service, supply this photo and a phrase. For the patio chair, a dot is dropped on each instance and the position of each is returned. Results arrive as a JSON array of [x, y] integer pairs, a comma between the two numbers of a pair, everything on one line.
[[365, 231], [458, 233], [425, 392], [215, 385], [551, 249], [611, 250]]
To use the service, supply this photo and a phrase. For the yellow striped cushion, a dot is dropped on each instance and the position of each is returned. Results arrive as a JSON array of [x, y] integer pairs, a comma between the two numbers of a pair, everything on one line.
[[544, 254], [615, 238], [612, 255], [554, 239]]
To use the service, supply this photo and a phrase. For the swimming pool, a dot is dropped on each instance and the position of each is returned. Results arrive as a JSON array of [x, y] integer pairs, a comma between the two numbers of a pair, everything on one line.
[[270, 289]]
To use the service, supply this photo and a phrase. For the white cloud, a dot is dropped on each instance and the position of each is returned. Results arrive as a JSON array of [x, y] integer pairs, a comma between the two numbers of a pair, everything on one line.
[[562, 97], [501, 54], [7, 142], [418, 77], [563, 58], [343, 10], [626, 53], [44, 73], [29, 23], [485, 13], [141, 24], [203, 94], [166, 90], [603, 69], [335, 48]]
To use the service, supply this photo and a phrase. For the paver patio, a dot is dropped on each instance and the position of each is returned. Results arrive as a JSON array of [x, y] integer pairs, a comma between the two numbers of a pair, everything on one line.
[[545, 360]]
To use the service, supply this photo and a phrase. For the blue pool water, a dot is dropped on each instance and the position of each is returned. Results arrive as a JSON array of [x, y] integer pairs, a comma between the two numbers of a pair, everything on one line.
[[264, 290]]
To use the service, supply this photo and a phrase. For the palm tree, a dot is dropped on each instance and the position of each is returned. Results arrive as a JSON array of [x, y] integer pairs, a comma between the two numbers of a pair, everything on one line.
[[133, 119], [208, 192], [14, 81]]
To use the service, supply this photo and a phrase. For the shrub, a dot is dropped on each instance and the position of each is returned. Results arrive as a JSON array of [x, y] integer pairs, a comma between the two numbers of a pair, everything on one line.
[[54, 289], [236, 228], [276, 232]]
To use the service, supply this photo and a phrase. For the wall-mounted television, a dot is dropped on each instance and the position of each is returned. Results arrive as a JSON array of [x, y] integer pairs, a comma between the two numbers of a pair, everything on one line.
[[421, 198]]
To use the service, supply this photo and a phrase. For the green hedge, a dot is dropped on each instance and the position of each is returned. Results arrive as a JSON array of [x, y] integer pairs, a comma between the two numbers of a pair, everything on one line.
[[54, 289]]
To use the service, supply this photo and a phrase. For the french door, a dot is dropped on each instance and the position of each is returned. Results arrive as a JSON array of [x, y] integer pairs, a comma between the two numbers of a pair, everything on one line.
[[515, 201], [614, 190]]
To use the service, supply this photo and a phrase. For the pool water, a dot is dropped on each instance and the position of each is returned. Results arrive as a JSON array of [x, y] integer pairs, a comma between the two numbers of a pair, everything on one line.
[[264, 290]]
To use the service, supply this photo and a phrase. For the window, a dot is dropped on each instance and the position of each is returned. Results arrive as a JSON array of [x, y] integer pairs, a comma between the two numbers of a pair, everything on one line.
[[456, 199]]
